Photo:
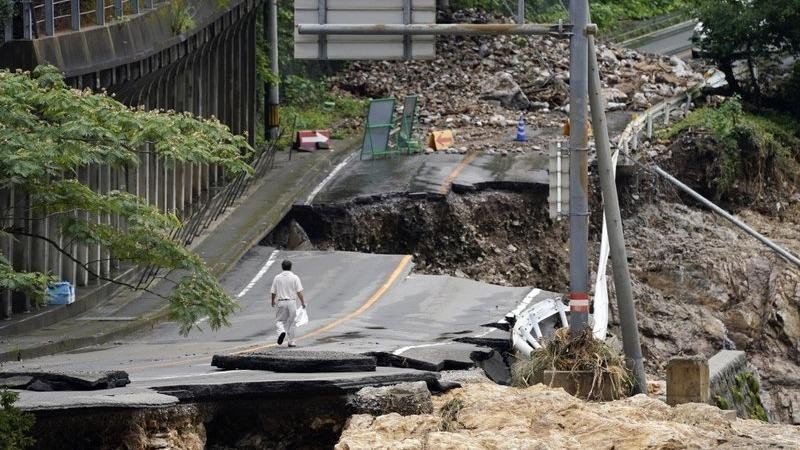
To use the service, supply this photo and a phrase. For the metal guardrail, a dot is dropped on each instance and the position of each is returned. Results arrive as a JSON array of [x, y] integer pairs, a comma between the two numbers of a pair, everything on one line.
[[215, 205], [48, 17], [662, 112], [649, 26]]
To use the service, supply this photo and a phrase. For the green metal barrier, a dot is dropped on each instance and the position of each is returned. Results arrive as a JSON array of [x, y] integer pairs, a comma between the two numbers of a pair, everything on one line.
[[378, 128], [405, 137]]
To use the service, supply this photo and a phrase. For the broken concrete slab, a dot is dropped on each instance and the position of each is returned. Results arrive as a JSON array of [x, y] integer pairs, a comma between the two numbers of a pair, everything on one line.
[[15, 382], [65, 381], [126, 398], [246, 384], [303, 361], [404, 399], [494, 365]]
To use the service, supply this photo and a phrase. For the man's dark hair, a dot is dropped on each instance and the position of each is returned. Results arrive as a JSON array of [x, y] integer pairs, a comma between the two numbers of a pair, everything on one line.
[[286, 265]]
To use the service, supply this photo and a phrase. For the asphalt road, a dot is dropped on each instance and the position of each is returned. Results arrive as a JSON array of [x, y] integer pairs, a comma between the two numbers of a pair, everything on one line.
[[678, 44], [675, 40], [357, 303]]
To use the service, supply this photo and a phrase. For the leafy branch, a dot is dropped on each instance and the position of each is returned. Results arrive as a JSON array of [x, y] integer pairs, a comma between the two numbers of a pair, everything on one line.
[[48, 132]]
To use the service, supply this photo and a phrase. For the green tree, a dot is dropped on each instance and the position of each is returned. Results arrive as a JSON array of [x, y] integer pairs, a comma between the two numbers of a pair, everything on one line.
[[751, 31], [14, 424], [48, 131]]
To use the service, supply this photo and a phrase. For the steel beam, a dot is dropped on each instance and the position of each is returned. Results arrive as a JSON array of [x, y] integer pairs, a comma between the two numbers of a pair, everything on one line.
[[743, 226], [449, 29]]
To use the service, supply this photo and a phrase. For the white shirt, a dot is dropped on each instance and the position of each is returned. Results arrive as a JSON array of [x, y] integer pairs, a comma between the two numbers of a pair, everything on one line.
[[286, 285]]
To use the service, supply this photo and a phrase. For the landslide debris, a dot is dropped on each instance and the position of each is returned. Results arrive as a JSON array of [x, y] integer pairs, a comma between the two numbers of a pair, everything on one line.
[[702, 285], [478, 86], [488, 416]]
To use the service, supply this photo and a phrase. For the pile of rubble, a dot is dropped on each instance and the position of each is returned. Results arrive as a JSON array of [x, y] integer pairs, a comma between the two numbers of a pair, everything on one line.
[[480, 86], [488, 416]]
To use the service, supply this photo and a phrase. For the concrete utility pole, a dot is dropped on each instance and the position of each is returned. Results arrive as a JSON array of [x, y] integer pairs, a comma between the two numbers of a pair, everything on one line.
[[578, 169], [616, 239], [272, 113]]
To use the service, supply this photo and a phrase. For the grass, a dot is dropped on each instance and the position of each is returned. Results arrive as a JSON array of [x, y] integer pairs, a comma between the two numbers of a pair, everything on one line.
[[449, 412], [581, 353], [318, 116]]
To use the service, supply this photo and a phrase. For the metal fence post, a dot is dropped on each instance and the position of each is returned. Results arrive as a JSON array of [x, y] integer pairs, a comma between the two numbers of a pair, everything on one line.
[[100, 12], [667, 112], [649, 126], [322, 8], [688, 104], [49, 21], [75, 14], [27, 20]]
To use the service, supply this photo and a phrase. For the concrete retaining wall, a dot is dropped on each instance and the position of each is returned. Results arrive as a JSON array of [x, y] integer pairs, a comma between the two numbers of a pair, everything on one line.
[[733, 385], [208, 70]]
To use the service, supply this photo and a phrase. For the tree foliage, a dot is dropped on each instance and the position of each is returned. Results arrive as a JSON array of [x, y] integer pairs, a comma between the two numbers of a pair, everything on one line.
[[751, 31], [48, 131], [607, 14], [15, 425]]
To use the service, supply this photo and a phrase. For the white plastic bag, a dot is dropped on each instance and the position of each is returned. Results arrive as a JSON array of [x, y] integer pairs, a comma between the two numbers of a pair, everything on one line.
[[301, 318]]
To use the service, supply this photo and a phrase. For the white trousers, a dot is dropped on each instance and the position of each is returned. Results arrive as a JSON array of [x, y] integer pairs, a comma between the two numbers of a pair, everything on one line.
[[284, 318]]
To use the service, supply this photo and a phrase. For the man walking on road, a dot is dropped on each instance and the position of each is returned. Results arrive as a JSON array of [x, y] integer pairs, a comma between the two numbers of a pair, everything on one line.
[[286, 289]]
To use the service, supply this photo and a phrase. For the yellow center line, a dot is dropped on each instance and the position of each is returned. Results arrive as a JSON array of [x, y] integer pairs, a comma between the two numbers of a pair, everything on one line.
[[363, 308], [370, 301], [445, 187]]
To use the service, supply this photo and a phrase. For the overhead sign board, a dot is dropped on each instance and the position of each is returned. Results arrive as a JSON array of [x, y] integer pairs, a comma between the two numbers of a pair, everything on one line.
[[364, 12]]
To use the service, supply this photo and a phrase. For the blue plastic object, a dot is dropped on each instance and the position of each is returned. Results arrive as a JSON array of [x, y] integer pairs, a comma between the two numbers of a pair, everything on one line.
[[60, 293], [521, 129]]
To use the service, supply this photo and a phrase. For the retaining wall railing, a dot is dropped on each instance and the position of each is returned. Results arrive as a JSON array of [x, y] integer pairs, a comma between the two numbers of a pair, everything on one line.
[[211, 72], [196, 193], [39, 18]]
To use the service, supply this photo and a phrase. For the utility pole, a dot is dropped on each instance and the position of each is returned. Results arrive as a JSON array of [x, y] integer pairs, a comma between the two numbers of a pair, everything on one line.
[[520, 11], [272, 114], [578, 169], [616, 238]]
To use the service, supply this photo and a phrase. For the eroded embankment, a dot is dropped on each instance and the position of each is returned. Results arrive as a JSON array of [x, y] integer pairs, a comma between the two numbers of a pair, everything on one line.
[[500, 237], [702, 285], [294, 422]]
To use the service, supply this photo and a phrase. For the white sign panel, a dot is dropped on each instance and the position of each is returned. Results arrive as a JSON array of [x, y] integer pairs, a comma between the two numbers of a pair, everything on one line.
[[559, 179], [363, 12]]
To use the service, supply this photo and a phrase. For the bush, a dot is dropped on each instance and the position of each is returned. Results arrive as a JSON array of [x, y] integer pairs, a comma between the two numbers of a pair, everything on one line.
[[14, 424]]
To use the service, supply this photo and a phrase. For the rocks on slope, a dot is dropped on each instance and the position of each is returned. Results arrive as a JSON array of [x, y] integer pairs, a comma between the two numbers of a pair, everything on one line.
[[480, 85], [708, 286], [488, 416]]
